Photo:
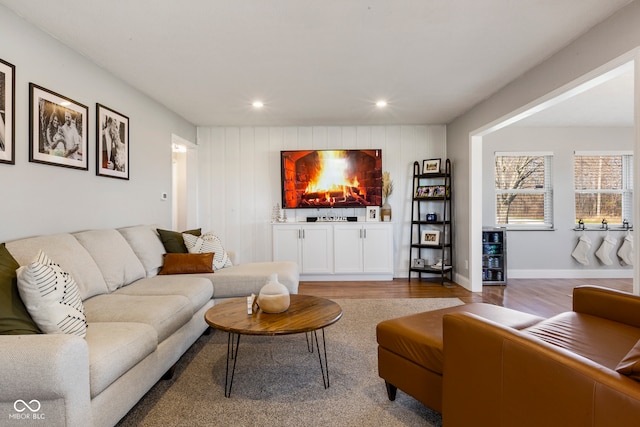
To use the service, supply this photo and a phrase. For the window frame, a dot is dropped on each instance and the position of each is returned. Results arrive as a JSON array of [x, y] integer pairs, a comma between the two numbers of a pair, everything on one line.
[[546, 191], [626, 179]]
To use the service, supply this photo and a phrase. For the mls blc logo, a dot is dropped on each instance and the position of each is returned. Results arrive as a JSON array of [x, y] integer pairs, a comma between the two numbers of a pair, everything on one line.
[[26, 410]]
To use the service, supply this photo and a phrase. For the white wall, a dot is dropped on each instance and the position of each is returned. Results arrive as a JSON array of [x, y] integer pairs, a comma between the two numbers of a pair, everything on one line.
[[616, 36], [538, 254], [39, 199], [240, 177]]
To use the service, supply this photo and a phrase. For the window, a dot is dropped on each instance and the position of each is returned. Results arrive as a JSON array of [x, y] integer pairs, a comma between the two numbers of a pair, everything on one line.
[[524, 193], [603, 187]]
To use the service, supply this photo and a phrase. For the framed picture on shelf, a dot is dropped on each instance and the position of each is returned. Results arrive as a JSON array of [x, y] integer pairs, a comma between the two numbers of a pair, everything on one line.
[[430, 237], [431, 166], [112, 143], [373, 213], [431, 191], [57, 129], [7, 112]]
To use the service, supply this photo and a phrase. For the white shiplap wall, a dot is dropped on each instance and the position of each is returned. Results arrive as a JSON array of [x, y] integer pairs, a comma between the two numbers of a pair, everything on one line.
[[239, 177]]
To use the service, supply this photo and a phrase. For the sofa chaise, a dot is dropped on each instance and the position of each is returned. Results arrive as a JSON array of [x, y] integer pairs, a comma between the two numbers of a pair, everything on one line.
[[139, 323]]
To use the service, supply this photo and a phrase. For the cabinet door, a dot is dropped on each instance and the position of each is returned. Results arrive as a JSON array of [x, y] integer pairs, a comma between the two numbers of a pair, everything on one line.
[[378, 249], [317, 247], [348, 256], [286, 243]]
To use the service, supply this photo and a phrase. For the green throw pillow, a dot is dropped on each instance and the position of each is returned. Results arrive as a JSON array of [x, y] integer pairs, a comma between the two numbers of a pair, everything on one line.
[[14, 317], [173, 241]]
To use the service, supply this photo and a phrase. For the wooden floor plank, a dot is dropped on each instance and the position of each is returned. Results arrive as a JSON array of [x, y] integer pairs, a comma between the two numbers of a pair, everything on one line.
[[544, 297]]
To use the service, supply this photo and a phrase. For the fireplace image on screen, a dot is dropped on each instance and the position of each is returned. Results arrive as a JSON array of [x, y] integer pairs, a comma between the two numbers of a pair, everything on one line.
[[331, 178]]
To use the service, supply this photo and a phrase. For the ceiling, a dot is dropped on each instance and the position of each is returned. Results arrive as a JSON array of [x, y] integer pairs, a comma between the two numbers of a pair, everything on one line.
[[316, 62]]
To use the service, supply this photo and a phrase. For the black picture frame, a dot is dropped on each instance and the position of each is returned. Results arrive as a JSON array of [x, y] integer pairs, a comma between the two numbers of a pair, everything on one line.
[[431, 166], [58, 129], [112, 143], [7, 112]]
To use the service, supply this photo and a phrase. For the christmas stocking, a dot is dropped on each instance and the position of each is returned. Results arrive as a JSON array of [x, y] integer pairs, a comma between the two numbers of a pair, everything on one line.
[[581, 250], [626, 250], [605, 249]]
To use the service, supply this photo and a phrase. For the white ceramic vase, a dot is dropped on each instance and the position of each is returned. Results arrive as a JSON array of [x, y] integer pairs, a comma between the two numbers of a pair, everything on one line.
[[274, 296]]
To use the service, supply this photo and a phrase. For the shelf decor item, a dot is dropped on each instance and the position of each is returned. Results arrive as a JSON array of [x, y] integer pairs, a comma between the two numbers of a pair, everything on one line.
[[430, 237], [431, 166], [387, 190]]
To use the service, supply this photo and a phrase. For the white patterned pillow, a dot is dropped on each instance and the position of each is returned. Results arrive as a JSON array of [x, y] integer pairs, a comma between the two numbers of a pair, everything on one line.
[[52, 297], [208, 242]]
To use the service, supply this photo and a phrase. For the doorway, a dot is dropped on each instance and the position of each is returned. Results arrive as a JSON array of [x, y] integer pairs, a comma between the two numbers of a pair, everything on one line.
[[184, 170]]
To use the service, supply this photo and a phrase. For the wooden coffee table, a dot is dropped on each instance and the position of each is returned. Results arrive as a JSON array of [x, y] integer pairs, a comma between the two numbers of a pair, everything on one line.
[[306, 314]]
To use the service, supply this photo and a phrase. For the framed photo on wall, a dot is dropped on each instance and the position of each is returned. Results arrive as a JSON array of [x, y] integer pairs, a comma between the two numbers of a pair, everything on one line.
[[431, 166], [112, 143], [57, 129], [7, 112], [430, 237], [373, 213]]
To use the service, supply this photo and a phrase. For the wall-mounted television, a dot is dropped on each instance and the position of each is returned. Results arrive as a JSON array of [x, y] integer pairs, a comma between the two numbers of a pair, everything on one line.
[[331, 178]]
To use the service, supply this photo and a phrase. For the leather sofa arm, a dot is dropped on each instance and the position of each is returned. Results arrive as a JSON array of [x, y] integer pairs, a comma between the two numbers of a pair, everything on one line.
[[51, 369], [607, 303], [495, 375]]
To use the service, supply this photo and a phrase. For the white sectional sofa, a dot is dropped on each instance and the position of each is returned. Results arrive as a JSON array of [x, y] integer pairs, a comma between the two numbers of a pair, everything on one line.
[[139, 325]]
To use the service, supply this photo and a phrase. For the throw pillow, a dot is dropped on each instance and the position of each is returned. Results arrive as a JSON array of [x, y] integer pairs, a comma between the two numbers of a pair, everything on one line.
[[208, 242], [630, 364], [14, 317], [52, 297], [187, 263], [173, 241]]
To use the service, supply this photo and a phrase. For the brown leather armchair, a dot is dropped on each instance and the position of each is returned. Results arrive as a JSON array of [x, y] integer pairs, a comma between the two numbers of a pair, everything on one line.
[[563, 371]]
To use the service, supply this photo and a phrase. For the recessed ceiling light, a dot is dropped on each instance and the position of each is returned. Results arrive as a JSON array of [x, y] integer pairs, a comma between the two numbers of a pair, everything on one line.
[[258, 104], [381, 104]]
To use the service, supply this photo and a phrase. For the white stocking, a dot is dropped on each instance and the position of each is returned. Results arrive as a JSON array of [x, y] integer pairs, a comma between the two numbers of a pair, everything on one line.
[[605, 249], [626, 250], [581, 250]]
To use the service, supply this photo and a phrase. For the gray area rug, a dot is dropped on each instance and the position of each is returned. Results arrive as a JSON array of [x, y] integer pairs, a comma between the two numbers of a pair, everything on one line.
[[278, 382]]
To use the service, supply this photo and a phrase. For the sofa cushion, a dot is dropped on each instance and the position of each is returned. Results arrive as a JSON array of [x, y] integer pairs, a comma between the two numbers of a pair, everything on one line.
[[187, 263], [173, 241], [630, 365], [199, 290], [166, 313], [116, 347], [245, 279], [147, 246], [14, 317], [115, 258], [69, 253], [601, 340], [51, 297], [208, 242]]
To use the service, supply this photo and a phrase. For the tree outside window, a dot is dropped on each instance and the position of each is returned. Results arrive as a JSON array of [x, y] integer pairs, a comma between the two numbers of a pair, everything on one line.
[[523, 189]]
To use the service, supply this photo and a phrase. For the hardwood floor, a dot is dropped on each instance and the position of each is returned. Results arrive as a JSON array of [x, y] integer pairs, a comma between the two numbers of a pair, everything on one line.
[[544, 297]]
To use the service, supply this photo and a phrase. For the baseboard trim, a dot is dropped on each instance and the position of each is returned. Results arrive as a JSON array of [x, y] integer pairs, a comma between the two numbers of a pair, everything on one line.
[[626, 273]]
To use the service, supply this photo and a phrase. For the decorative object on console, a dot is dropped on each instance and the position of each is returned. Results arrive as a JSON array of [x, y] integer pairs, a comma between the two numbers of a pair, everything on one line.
[[208, 242], [387, 190], [52, 297], [112, 143], [373, 213], [58, 129], [431, 166], [7, 123], [274, 296]]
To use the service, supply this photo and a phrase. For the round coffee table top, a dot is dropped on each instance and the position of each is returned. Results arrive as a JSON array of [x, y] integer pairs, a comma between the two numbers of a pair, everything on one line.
[[305, 314]]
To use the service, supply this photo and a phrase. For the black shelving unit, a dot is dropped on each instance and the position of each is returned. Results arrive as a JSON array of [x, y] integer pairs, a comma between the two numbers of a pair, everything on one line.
[[431, 213]]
